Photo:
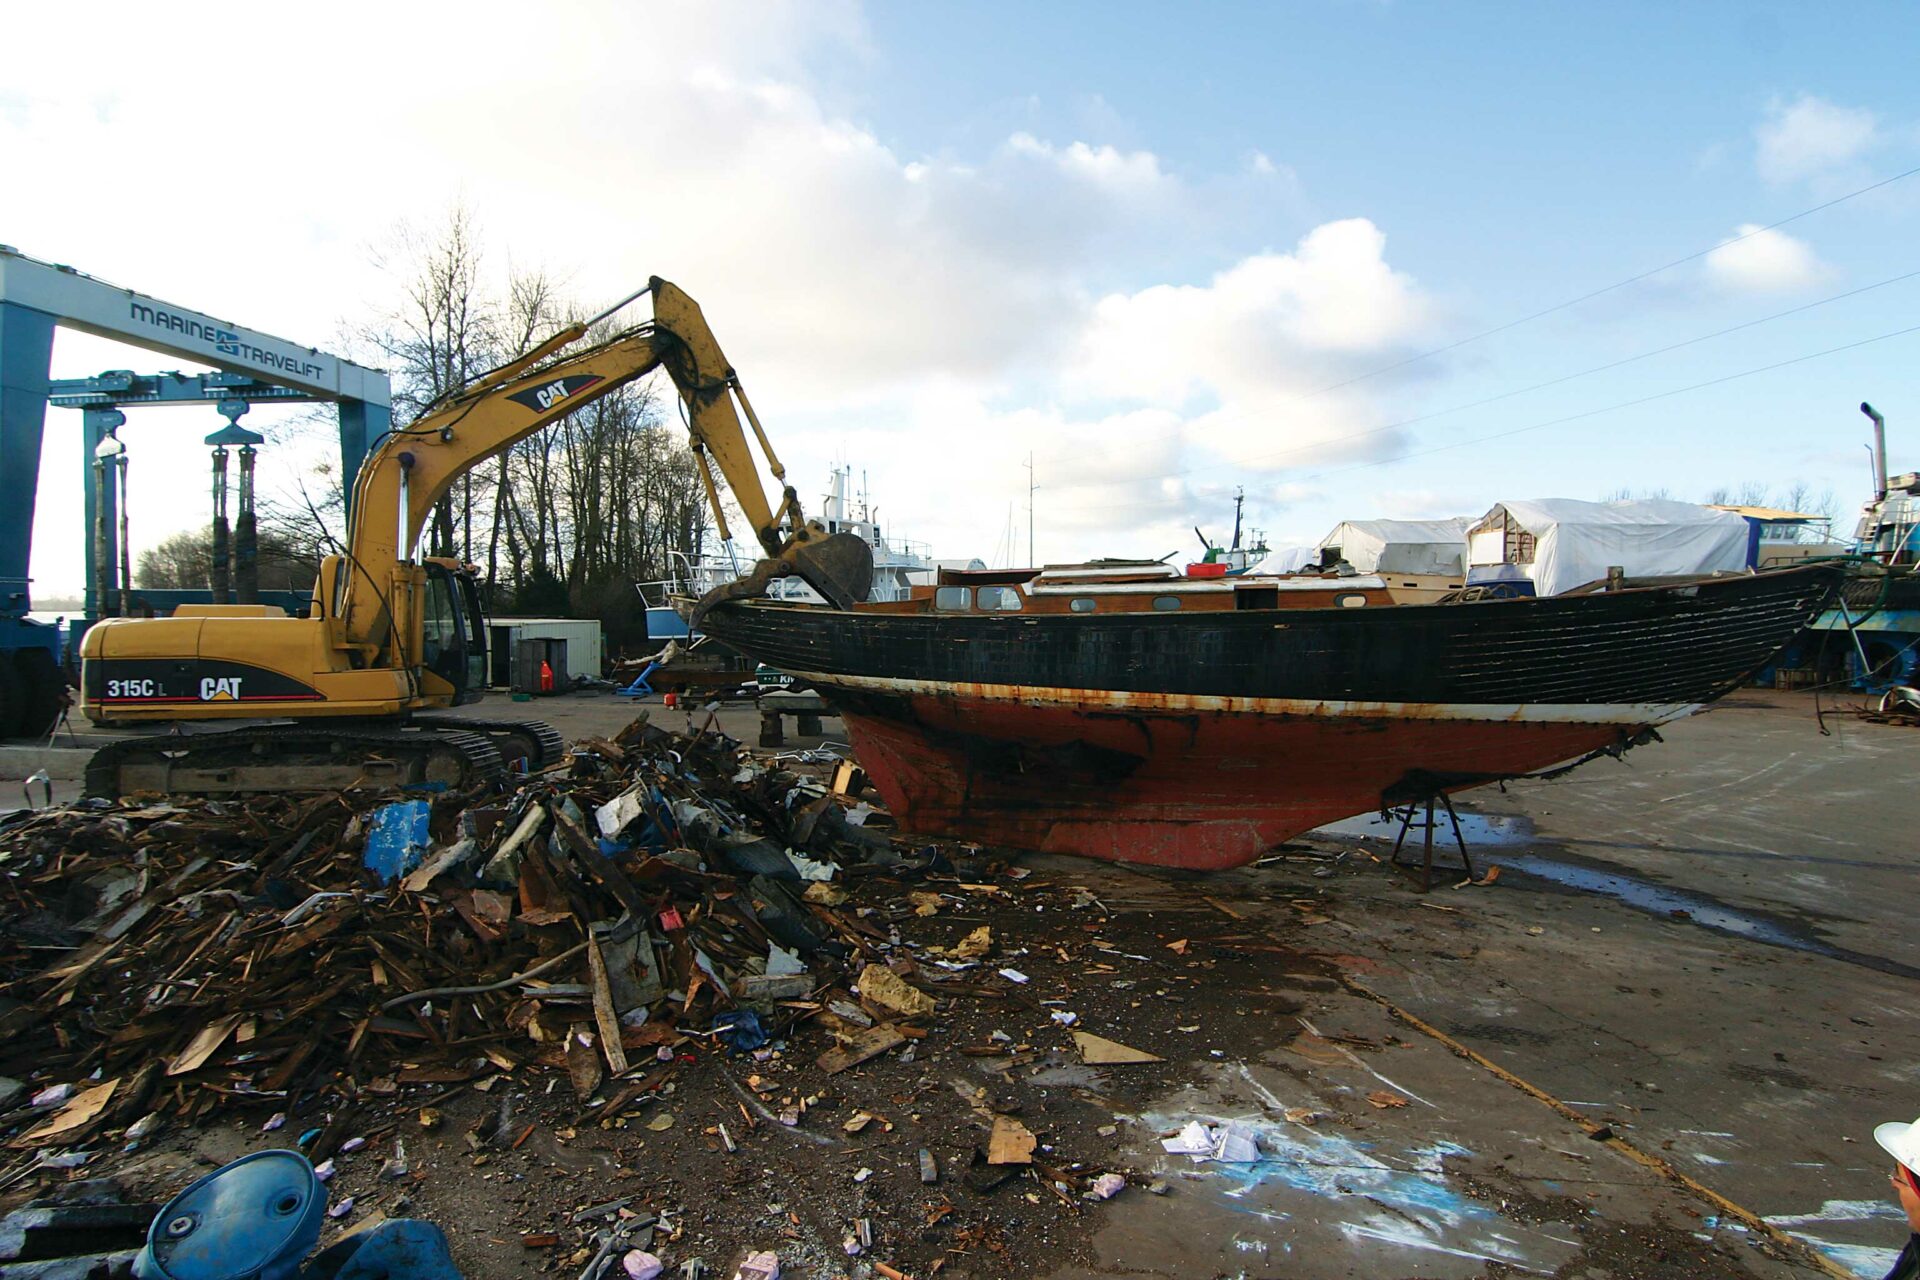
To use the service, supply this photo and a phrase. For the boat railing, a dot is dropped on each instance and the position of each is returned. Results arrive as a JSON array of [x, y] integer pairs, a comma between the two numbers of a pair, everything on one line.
[[907, 549]]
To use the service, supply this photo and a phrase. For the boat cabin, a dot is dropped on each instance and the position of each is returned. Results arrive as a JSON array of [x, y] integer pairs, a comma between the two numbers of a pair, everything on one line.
[[1108, 587]]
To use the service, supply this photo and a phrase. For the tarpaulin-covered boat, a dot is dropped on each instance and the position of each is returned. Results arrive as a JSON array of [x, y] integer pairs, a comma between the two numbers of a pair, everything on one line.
[[1199, 722]]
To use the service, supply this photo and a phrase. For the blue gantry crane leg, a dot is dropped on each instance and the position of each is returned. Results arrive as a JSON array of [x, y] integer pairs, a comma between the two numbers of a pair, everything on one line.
[[36, 298], [31, 688]]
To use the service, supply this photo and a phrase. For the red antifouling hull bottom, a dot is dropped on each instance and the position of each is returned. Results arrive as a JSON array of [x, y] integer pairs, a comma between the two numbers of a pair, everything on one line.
[[1201, 791]]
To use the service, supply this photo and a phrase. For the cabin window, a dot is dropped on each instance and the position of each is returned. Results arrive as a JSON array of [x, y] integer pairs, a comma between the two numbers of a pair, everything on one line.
[[1083, 604], [1350, 601], [1166, 603], [953, 598], [1003, 599]]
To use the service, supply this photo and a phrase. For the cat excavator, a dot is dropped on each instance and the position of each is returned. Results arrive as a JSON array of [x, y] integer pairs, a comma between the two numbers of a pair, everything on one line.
[[346, 693]]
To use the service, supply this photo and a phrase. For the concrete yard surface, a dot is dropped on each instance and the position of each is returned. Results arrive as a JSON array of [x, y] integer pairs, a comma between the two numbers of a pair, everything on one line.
[[1382, 1152], [1704, 951], [1708, 946]]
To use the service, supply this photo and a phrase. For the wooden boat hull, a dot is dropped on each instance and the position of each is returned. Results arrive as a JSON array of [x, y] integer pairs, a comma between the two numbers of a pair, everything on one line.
[[1201, 791], [1200, 741]]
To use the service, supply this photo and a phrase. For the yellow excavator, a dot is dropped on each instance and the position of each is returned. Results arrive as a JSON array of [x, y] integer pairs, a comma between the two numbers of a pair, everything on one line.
[[391, 636]]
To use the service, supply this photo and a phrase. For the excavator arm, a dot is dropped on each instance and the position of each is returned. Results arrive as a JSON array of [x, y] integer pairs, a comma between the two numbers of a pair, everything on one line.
[[415, 466]]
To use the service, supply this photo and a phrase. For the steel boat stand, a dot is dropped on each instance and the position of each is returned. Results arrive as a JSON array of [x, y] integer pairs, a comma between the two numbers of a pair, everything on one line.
[[1412, 818]]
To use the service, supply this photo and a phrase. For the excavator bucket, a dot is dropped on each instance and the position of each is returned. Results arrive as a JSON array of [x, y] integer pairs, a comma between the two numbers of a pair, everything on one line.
[[839, 567]]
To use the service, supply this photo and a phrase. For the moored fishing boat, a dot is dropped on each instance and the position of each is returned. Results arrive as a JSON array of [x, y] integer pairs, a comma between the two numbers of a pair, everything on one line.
[[1124, 714]]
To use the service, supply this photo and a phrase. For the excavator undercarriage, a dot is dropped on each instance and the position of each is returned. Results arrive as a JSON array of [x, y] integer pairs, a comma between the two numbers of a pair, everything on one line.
[[438, 752]]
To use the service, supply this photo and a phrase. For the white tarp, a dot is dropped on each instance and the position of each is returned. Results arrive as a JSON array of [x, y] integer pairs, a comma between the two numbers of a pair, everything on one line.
[[1402, 546], [1576, 542], [1289, 559]]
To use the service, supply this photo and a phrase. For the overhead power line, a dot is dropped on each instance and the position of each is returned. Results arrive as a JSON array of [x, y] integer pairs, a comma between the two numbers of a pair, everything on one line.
[[1606, 289], [1563, 378], [1615, 408]]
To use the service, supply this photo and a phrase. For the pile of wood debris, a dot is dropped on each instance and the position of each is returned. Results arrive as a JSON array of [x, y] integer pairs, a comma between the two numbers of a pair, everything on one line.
[[169, 959]]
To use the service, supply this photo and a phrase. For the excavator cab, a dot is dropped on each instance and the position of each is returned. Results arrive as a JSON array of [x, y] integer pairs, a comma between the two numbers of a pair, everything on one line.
[[453, 629]]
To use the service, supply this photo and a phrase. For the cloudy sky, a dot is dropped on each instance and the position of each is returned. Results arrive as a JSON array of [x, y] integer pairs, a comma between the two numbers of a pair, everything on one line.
[[1167, 253]]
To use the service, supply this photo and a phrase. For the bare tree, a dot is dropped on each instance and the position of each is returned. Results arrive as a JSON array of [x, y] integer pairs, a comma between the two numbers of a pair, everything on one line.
[[569, 518], [443, 333], [1798, 497], [185, 561]]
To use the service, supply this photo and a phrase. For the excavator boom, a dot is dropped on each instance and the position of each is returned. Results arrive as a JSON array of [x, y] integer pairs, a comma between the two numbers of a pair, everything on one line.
[[392, 635], [417, 465]]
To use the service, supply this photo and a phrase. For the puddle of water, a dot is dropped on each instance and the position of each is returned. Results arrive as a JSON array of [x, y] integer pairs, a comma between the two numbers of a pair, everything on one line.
[[1484, 832], [1480, 830], [1663, 901], [1707, 913]]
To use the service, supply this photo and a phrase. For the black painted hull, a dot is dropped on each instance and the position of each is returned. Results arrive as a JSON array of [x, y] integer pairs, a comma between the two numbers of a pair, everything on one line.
[[1668, 645], [1200, 740]]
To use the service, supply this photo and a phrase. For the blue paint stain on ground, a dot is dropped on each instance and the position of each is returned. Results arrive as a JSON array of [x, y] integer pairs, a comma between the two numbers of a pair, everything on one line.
[[1404, 1204], [1332, 1165]]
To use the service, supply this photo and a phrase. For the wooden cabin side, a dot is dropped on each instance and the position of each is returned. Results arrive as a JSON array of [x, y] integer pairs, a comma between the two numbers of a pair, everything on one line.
[[1030, 592]]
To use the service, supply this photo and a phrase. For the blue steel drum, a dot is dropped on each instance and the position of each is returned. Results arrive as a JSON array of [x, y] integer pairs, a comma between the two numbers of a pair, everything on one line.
[[254, 1219]]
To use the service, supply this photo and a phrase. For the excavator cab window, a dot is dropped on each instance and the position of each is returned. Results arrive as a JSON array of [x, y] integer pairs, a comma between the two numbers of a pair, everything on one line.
[[450, 634], [477, 637]]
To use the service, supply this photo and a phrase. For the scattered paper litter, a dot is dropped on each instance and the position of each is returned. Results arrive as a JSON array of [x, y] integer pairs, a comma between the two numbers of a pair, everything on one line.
[[782, 962], [1237, 1146], [1226, 1144], [1194, 1139], [51, 1096], [613, 816], [1106, 1186], [818, 872], [764, 1265], [641, 1265], [1013, 975]]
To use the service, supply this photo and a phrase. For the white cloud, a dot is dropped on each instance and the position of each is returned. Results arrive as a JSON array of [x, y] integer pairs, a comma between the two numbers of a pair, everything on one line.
[[1756, 260], [1258, 325], [913, 310], [1810, 137]]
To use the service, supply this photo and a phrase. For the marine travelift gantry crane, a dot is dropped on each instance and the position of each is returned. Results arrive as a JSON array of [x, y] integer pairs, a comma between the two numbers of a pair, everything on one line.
[[390, 636]]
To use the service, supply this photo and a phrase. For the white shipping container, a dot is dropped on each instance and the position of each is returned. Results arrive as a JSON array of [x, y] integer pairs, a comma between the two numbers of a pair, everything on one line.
[[585, 644]]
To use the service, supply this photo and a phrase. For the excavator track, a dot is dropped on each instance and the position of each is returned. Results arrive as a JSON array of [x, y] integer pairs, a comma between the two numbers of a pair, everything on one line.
[[294, 757], [535, 742]]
